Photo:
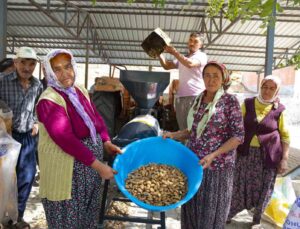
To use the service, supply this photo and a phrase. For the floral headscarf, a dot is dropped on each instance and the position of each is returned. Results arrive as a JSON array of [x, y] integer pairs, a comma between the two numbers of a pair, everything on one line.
[[275, 98], [52, 81], [225, 73], [210, 109]]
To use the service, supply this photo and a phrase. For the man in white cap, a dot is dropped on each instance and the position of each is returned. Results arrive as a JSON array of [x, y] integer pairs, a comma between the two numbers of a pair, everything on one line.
[[20, 91]]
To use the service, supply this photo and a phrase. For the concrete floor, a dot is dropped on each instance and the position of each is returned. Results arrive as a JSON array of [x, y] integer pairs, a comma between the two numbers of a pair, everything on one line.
[[34, 213]]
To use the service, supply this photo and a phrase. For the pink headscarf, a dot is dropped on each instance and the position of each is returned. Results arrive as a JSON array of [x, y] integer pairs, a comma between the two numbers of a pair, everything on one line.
[[275, 98]]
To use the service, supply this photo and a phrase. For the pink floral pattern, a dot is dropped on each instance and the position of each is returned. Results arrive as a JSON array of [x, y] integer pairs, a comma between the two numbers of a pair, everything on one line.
[[227, 122]]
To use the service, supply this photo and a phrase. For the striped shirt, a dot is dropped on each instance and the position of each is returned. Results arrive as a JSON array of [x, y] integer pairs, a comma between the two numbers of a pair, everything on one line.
[[21, 102]]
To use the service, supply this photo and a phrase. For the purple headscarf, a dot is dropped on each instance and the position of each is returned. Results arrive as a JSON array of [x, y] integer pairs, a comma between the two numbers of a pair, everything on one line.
[[70, 91]]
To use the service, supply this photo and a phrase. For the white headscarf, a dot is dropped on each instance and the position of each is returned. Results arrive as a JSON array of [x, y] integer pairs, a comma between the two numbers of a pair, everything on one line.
[[70, 91], [275, 98]]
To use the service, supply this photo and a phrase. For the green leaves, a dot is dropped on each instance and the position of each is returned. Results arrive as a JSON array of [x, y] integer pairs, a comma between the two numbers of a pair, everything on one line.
[[156, 3], [295, 60], [214, 8], [246, 9]]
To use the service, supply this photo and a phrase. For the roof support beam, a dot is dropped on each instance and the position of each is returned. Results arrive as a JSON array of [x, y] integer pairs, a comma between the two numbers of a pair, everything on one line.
[[220, 30], [270, 44], [3, 16], [97, 46], [87, 57], [292, 50]]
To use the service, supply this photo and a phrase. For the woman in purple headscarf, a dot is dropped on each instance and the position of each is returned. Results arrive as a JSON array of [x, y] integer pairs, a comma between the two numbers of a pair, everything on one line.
[[72, 140], [264, 152]]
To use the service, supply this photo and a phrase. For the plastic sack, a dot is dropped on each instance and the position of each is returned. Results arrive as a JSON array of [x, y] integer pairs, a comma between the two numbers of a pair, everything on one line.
[[6, 115], [9, 153], [281, 201], [293, 219]]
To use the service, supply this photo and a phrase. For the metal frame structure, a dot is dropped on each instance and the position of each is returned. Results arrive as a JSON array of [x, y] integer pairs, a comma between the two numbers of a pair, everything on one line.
[[110, 32]]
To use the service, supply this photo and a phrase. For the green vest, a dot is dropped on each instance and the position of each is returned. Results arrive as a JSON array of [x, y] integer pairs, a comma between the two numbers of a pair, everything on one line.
[[56, 166]]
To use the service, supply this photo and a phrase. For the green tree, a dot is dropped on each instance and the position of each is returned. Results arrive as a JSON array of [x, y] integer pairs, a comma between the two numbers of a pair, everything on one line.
[[245, 10]]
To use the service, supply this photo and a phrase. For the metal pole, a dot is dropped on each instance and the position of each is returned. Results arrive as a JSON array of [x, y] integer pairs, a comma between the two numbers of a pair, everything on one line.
[[3, 21], [258, 81], [40, 71], [87, 54], [270, 44]]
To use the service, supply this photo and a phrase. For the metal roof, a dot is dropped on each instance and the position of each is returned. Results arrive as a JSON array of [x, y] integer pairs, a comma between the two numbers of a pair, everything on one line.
[[117, 29]]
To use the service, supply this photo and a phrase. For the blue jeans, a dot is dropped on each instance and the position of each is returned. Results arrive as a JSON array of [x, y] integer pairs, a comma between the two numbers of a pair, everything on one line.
[[26, 167]]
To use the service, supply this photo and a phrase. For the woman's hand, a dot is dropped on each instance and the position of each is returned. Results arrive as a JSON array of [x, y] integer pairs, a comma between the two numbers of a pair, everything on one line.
[[105, 171], [207, 160], [167, 134], [180, 135], [283, 166], [111, 148]]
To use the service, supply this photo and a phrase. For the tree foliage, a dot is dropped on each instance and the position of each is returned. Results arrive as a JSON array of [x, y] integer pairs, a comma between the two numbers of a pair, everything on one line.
[[294, 61], [246, 9], [243, 9]]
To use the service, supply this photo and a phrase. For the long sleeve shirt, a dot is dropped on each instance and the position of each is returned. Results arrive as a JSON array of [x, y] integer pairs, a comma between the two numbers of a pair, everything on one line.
[[68, 128], [225, 123], [261, 111]]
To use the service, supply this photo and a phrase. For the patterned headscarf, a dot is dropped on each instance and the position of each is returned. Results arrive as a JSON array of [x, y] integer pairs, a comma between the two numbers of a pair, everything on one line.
[[225, 73], [275, 98], [70, 91], [210, 109]]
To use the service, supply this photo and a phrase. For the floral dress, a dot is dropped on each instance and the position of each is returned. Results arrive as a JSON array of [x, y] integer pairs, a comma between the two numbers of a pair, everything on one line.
[[210, 206]]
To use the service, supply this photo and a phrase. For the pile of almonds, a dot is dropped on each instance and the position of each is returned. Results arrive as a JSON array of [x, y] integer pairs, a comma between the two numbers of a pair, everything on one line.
[[157, 184]]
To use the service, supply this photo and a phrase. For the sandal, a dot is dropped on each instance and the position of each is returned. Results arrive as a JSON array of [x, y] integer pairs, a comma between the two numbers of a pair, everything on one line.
[[21, 224], [228, 221]]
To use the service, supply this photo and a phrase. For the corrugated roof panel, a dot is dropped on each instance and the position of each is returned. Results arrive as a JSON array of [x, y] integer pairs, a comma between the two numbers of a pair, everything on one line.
[[248, 27], [122, 27], [27, 17]]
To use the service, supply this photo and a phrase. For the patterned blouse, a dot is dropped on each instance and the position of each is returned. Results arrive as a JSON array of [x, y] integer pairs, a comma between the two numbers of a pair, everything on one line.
[[227, 122]]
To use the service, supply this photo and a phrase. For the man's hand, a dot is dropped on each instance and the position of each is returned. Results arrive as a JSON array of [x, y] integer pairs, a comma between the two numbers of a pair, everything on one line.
[[170, 49], [35, 129]]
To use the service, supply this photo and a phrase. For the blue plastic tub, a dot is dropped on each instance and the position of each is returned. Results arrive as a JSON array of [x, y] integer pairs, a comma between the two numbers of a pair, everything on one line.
[[160, 151]]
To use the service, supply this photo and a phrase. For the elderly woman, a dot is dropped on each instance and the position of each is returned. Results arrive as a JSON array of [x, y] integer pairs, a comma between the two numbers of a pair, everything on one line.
[[215, 129], [264, 152], [73, 137]]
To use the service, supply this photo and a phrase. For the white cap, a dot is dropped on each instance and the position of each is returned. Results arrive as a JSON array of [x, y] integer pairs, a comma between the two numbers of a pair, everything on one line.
[[26, 53]]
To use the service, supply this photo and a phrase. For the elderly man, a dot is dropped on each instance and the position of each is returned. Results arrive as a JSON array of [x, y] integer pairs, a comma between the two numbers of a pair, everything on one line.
[[20, 90], [190, 68]]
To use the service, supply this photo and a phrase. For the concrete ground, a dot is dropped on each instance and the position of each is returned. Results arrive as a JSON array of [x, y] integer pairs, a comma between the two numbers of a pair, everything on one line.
[[34, 213]]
